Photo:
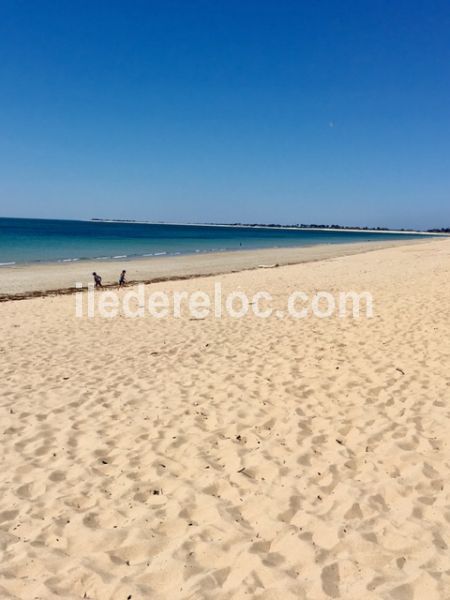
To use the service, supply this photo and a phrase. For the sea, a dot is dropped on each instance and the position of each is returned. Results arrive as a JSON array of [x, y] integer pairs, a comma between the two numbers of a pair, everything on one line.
[[42, 240]]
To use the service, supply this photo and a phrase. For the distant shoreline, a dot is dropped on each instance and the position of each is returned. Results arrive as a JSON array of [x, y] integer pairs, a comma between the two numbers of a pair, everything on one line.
[[340, 229], [282, 227]]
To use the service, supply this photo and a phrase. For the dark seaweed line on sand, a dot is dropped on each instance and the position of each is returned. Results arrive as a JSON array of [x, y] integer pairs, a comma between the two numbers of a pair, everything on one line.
[[74, 290]]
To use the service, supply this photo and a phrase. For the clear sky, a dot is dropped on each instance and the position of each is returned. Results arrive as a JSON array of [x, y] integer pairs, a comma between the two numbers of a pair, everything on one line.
[[238, 110]]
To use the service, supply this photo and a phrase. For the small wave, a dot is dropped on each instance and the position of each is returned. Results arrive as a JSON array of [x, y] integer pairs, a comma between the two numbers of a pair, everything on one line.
[[148, 254], [120, 256], [7, 264], [103, 258], [160, 253], [68, 260]]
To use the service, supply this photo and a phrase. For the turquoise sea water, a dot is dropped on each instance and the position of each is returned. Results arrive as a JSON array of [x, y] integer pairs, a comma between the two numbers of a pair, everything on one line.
[[39, 240]]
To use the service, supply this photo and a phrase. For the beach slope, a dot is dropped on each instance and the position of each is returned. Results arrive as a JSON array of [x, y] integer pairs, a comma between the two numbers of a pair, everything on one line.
[[233, 458]]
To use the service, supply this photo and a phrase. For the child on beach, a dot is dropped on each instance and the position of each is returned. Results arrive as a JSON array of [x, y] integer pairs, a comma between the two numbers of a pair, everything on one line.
[[97, 280], [122, 280]]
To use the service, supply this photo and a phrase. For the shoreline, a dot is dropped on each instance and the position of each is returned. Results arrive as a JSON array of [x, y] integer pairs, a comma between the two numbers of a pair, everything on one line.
[[282, 227], [247, 226], [20, 282]]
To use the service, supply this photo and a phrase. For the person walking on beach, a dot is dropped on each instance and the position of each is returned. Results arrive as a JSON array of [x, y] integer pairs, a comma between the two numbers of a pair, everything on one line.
[[97, 280], [122, 280]]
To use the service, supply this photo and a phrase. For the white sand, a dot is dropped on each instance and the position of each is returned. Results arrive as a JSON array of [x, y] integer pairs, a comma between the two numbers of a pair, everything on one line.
[[293, 459]]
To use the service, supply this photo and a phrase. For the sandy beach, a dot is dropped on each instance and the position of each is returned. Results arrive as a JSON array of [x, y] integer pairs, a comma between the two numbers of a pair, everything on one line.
[[274, 459], [26, 279]]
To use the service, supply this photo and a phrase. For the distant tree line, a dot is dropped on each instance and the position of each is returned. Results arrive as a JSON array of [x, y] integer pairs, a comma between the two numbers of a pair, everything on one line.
[[294, 226], [310, 226]]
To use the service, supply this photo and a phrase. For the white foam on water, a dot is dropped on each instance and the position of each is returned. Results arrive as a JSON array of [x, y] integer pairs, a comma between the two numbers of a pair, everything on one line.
[[7, 264]]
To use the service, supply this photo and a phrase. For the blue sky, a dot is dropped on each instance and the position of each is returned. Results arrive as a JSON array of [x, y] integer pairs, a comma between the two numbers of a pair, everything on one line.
[[314, 111]]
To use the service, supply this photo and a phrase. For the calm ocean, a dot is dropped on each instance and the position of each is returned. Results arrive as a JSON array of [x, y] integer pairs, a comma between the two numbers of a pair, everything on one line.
[[39, 240]]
